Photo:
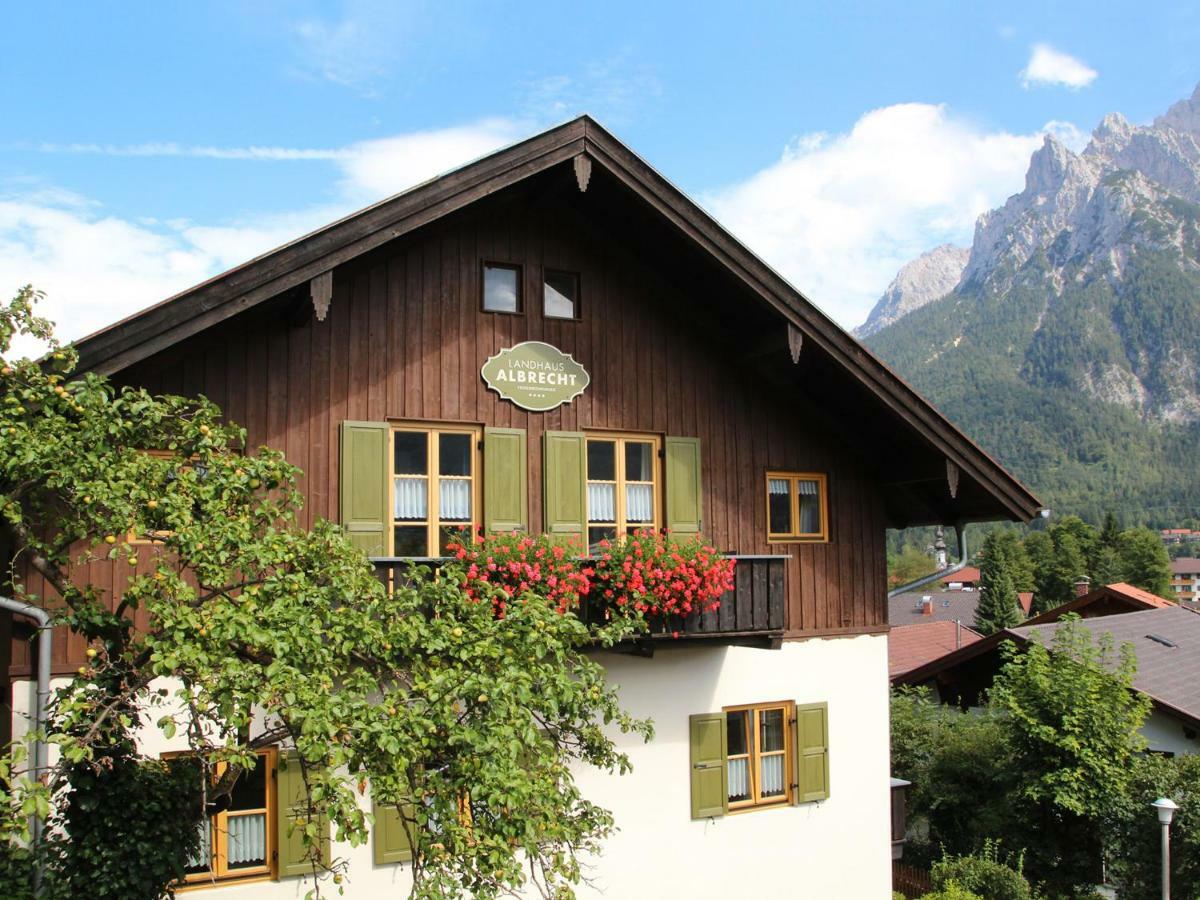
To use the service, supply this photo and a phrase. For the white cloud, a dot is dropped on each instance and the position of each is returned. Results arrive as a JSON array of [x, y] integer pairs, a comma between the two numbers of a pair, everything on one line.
[[358, 47], [271, 154], [376, 169], [96, 268], [1049, 66], [838, 215]]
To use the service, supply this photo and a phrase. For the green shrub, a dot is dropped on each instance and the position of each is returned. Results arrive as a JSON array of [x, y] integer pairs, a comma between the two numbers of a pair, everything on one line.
[[989, 873], [952, 891]]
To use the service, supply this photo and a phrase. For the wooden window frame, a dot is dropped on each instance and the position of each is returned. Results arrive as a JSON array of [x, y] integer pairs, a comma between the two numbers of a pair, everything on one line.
[[754, 756], [548, 271], [620, 438], [496, 264], [218, 875], [433, 524], [795, 537]]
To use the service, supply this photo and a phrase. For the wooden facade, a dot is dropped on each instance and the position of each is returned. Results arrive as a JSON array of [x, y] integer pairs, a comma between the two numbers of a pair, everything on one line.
[[404, 339], [676, 337]]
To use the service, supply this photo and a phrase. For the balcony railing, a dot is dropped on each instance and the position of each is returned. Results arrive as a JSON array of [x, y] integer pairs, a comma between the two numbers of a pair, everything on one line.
[[751, 614]]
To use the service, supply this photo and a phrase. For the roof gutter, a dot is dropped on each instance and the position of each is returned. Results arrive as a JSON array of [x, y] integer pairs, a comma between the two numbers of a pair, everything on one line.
[[41, 749], [960, 529]]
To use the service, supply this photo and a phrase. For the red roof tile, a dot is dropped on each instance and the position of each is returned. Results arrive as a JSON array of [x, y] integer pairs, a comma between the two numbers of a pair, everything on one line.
[[910, 646]]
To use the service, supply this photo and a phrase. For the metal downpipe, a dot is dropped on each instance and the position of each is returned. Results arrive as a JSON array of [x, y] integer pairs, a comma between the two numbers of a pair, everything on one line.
[[961, 530], [41, 750]]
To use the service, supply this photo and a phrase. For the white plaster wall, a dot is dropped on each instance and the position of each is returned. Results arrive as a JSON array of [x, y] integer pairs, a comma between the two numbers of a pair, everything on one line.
[[837, 848], [1165, 734]]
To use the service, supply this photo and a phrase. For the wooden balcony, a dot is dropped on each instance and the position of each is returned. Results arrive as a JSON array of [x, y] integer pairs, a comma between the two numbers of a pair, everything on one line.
[[752, 614]]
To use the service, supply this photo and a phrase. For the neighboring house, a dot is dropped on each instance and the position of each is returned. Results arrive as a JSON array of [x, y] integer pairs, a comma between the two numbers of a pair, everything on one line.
[[1179, 536], [714, 400], [912, 646], [1185, 578], [919, 607], [1165, 637], [966, 577]]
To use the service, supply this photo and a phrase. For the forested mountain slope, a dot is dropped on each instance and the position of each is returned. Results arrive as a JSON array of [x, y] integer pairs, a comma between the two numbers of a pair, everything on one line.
[[1070, 346]]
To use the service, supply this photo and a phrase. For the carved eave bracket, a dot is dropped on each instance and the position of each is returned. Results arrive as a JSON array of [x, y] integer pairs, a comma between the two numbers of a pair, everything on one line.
[[583, 171], [795, 342], [952, 478], [321, 291]]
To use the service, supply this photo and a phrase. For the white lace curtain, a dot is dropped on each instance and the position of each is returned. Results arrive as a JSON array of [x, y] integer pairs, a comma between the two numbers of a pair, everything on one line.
[[772, 776], [247, 839], [412, 498], [455, 499], [639, 502], [601, 502], [739, 779]]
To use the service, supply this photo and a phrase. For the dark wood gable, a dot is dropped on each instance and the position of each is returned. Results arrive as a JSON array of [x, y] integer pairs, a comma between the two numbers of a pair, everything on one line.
[[683, 331]]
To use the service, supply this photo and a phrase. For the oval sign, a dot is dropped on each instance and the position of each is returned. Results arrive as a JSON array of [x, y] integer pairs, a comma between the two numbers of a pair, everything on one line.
[[535, 376]]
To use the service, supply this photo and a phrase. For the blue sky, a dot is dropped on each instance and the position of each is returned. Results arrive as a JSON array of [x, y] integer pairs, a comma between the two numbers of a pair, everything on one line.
[[144, 147]]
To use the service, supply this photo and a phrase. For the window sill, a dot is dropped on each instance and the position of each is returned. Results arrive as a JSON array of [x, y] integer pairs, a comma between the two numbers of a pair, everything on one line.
[[228, 881], [761, 807], [800, 539]]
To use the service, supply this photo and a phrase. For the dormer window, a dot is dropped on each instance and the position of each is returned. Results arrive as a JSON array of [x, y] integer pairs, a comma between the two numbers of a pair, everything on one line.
[[560, 297], [502, 288]]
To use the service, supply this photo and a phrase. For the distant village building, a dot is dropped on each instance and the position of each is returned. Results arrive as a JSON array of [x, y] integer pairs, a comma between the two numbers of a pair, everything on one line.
[[656, 375], [1164, 635], [1185, 578], [929, 624], [1179, 536]]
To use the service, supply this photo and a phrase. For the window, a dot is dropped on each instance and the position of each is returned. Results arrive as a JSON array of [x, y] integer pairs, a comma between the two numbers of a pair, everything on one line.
[[622, 485], [560, 295], [759, 755], [797, 507], [501, 288], [433, 488], [239, 841]]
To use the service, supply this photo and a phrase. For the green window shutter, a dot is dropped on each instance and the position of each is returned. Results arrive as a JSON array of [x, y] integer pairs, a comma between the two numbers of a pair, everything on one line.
[[710, 777], [364, 484], [505, 491], [810, 740], [684, 494], [564, 461], [390, 836], [291, 819]]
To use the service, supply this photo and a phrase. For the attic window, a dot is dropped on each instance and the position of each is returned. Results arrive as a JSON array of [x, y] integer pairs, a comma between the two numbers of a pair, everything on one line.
[[502, 288], [560, 297]]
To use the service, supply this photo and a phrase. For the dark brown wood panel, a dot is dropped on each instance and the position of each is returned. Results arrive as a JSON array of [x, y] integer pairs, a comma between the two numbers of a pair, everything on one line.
[[404, 339]]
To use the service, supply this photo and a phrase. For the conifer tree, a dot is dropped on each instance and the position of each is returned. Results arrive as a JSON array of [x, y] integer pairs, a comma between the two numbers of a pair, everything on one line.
[[997, 607]]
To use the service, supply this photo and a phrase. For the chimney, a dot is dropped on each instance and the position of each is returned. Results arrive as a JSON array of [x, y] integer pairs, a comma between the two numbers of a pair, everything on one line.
[[1083, 586], [927, 605]]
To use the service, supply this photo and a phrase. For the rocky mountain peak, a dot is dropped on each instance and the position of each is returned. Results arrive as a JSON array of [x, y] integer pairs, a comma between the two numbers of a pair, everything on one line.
[[929, 277], [1048, 167], [1182, 116], [1113, 131]]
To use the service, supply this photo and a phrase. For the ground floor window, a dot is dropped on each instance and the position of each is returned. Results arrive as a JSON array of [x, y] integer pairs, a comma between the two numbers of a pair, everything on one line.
[[238, 840], [759, 754]]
